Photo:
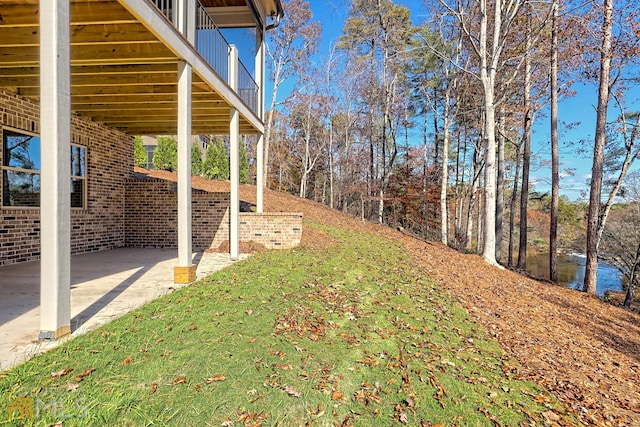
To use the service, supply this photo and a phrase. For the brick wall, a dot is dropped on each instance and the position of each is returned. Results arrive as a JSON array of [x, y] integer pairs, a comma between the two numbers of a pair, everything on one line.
[[100, 225], [273, 230], [122, 211], [152, 219], [152, 215]]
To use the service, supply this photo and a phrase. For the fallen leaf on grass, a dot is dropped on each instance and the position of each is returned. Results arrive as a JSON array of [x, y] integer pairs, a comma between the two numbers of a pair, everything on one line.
[[126, 361], [319, 412], [72, 386], [94, 351], [291, 391], [215, 378], [337, 395], [541, 398], [550, 415], [491, 417], [400, 415], [61, 372], [258, 397], [368, 360], [284, 367], [154, 387], [179, 380], [439, 395], [84, 374]]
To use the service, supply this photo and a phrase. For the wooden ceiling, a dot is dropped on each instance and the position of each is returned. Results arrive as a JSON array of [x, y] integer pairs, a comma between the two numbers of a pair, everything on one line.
[[122, 75]]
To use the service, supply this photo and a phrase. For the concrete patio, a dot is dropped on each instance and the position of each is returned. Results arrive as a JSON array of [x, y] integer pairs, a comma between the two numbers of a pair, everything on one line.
[[104, 286]]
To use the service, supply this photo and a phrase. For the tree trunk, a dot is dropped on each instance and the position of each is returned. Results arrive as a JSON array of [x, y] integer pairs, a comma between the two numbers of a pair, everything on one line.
[[479, 225], [512, 207], [445, 172], [487, 77], [500, 188], [477, 170], [555, 173], [269, 125], [330, 163], [526, 154], [628, 299], [593, 216]]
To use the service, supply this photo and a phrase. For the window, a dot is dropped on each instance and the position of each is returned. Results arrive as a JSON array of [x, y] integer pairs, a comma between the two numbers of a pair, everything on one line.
[[78, 176], [150, 149], [21, 171]]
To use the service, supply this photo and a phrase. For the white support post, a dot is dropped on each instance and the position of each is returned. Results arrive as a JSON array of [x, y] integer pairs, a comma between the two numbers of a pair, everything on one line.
[[260, 58], [260, 174], [260, 74], [185, 271], [186, 16], [234, 162], [55, 174]]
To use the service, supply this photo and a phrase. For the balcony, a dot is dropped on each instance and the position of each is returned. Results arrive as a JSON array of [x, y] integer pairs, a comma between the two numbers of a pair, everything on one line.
[[215, 50], [124, 57]]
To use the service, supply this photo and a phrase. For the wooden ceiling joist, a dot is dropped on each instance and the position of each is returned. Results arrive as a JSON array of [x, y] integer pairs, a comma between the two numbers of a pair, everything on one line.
[[122, 74]]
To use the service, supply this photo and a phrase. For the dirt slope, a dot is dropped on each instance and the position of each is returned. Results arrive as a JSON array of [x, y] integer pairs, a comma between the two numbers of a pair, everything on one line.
[[583, 350]]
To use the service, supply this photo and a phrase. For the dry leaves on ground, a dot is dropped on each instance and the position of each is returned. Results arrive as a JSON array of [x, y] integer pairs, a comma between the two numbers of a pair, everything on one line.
[[583, 350]]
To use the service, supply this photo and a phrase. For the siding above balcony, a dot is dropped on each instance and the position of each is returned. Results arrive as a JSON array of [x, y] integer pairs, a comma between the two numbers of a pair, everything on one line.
[[124, 63]]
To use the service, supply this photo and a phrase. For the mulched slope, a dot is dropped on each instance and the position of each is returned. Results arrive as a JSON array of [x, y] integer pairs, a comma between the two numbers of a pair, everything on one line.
[[583, 350]]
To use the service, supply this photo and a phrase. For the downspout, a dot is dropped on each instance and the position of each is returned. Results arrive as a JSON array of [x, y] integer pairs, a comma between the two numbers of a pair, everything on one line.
[[275, 24]]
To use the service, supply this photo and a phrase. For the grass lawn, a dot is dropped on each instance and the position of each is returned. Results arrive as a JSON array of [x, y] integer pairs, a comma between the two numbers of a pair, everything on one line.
[[352, 335]]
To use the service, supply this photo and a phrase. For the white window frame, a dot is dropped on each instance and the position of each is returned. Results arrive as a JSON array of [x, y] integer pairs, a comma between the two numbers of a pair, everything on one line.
[[83, 179]]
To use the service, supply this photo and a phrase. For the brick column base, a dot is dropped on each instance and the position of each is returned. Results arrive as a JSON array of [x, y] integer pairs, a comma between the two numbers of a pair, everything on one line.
[[184, 275]]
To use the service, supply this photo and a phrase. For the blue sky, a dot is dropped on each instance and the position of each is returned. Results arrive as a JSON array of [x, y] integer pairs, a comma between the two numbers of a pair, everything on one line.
[[580, 108]]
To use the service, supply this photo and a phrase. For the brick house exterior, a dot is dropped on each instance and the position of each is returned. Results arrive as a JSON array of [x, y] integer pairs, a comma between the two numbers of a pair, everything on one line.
[[80, 78], [98, 226], [124, 209]]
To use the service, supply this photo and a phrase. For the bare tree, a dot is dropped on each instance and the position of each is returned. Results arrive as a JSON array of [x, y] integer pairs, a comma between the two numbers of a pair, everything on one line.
[[555, 165], [593, 216], [288, 48], [620, 244]]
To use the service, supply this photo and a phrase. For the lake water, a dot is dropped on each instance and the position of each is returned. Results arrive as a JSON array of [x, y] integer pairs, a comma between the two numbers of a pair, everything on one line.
[[571, 272]]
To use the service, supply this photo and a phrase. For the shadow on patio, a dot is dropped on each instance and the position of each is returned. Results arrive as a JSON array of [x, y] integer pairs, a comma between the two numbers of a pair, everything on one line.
[[104, 285]]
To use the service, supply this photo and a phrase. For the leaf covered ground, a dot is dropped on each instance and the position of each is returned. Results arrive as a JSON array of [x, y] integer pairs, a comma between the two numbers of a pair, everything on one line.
[[585, 351], [344, 331], [360, 326]]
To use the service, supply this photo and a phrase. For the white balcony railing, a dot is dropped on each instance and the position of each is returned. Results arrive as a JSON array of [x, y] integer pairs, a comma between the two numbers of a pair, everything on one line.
[[214, 48], [211, 44], [247, 87]]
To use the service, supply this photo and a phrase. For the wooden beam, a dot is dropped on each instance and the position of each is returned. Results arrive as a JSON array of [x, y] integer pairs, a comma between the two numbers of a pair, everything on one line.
[[98, 80], [146, 100], [82, 13], [80, 35], [148, 90], [145, 109], [102, 70], [99, 54]]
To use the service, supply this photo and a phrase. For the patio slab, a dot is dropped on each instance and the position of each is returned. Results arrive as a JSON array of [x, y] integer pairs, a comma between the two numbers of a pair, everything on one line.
[[104, 285]]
